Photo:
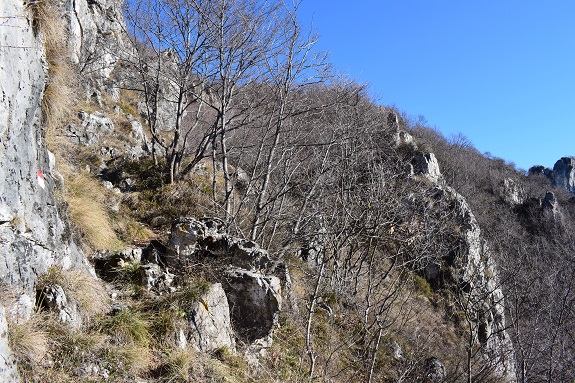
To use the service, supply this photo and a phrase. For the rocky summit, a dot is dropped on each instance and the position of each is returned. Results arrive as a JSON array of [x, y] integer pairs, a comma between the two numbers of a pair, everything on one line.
[[189, 195]]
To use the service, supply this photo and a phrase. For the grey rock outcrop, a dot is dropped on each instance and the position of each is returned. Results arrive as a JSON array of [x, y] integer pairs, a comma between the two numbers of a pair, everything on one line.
[[96, 29], [8, 371], [210, 325], [511, 192], [434, 370], [255, 302], [472, 270], [54, 299], [426, 164], [192, 237], [32, 235], [92, 126], [564, 174]]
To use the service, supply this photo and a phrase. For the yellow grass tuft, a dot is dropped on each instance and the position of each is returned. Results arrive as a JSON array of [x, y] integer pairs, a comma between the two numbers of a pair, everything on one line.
[[86, 205], [28, 341], [59, 93]]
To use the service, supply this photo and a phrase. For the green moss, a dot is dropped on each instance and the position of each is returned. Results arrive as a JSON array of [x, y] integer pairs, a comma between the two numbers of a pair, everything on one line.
[[423, 286]]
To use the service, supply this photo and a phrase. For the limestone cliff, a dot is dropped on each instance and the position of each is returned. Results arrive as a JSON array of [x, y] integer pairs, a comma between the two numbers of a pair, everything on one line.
[[33, 235]]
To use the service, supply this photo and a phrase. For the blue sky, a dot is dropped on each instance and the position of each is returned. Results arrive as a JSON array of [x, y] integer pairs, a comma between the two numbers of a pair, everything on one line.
[[500, 72]]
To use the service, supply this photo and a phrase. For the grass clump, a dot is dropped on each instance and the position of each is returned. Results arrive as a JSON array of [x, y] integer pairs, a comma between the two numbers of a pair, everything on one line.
[[86, 205], [127, 327], [178, 366], [59, 94], [28, 340]]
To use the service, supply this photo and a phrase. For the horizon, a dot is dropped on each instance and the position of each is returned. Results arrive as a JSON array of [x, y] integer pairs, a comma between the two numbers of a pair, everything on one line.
[[498, 73]]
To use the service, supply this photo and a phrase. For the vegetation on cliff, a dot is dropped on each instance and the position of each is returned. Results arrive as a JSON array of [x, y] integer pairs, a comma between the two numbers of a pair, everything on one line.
[[409, 256]]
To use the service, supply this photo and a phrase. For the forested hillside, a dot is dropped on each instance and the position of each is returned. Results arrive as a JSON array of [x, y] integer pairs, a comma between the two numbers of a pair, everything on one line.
[[193, 194]]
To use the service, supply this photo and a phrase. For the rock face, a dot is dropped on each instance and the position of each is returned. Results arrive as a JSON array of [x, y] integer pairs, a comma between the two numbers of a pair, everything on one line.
[[564, 174], [511, 192], [426, 163], [96, 38], [255, 302], [93, 125], [472, 271], [8, 372], [32, 235], [210, 324]]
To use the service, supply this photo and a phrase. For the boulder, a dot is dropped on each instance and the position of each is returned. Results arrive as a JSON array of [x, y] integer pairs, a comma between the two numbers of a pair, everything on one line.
[[255, 302], [191, 237], [54, 299], [426, 164], [209, 324], [156, 279]]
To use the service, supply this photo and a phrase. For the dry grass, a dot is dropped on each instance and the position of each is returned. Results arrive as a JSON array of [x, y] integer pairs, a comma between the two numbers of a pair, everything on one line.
[[177, 366], [59, 93], [28, 340], [128, 327], [86, 204]]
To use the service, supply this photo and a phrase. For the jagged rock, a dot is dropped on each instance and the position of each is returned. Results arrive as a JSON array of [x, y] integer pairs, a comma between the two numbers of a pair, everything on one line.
[[255, 302], [203, 237], [395, 350], [54, 299], [137, 133], [473, 270], [511, 192], [185, 234], [32, 235], [538, 169], [106, 262], [209, 321], [434, 370], [93, 125], [156, 279], [549, 201], [8, 371], [96, 30], [426, 164], [564, 174], [155, 252], [314, 246]]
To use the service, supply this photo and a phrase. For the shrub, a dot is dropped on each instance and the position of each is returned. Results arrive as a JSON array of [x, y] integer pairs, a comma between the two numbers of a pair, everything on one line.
[[422, 286]]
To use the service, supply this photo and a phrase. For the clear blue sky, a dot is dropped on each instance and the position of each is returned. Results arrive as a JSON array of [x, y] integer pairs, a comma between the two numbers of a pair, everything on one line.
[[500, 72]]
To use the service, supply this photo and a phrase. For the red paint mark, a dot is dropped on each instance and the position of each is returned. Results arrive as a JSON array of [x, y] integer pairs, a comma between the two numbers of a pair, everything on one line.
[[41, 181]]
